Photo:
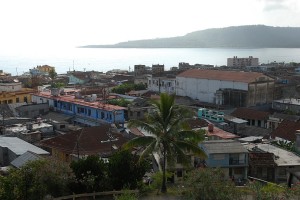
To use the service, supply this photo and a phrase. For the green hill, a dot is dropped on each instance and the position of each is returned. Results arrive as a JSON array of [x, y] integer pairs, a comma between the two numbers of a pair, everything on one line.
[[252, 36]]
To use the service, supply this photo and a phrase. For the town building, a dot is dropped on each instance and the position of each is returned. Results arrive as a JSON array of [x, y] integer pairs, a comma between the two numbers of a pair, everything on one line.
[[231, 88], [276, 165], [156, 69], [162, 84], [12, 147], [229, 155], [286, 131], [45, 68], [276, 118], [139, 70], [85, 110], [97, 140], [11, 91], [253, 117], [289, 104], [242, 62]]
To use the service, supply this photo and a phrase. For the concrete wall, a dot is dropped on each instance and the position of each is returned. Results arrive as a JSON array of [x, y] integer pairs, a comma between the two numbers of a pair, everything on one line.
[[204, 89], [10, 87]]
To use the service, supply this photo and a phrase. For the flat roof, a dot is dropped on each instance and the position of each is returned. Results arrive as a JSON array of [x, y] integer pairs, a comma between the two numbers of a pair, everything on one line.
[[223, 146], [72, 99], [282, 157], [288, 101], [19, 146]]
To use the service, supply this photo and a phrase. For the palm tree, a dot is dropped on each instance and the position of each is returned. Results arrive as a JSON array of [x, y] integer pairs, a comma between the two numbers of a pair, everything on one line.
[[167, 133]]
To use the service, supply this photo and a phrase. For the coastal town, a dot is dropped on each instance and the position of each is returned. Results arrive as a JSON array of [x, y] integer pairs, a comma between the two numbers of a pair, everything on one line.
[[249, 114]]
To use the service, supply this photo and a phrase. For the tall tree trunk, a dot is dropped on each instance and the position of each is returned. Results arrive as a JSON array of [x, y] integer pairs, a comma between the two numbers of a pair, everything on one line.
[[164, 186]]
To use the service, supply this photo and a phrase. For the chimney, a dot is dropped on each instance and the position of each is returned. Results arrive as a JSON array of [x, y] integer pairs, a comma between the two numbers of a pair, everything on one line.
[[210, 128]]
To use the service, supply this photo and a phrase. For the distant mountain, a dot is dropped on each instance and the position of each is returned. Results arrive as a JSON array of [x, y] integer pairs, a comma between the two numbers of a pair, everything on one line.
[[252, 36]]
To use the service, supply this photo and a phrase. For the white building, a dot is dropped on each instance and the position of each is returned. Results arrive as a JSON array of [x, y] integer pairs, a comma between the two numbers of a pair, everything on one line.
[[233, 88], [162, 84], [242, 62], [10, 87]]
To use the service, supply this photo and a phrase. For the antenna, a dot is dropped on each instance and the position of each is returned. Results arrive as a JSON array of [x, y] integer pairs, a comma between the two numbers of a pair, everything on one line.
[[73, 65]]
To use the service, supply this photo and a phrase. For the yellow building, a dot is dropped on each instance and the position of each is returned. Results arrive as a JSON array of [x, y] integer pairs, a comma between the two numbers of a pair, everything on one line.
[[45, 68], [12, 92]]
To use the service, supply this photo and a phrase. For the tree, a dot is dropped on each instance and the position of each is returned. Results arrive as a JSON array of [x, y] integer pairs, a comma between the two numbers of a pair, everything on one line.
[[167, 134], [90, 174], [37, 179], [52, 74], [210, 184], [124, 170]]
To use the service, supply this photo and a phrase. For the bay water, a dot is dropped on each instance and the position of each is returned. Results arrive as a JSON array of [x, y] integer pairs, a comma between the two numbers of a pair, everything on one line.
[[103, 59]]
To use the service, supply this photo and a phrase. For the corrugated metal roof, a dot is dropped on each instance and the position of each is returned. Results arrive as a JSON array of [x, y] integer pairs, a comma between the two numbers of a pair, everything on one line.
[[24, 158], [19, 146], [223, 146], [244, 77]]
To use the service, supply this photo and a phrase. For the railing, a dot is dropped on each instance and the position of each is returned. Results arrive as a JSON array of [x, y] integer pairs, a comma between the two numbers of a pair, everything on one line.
[[94, 194]]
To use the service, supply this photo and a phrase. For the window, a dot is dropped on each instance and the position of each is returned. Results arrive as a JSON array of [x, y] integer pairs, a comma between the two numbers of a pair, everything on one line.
[[62, 126], [25, 99], [89, 112], [17, 100], [138, 113], [179, 173], [10, 101]]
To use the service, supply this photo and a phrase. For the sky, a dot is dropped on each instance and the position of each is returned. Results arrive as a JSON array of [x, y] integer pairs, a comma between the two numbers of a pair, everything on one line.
[[70, 23]]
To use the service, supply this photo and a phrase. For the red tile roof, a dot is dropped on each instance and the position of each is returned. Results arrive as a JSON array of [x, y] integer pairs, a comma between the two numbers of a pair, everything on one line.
[[244, 77], [247, 113], [286, 130], [221, 134], [89, 141]]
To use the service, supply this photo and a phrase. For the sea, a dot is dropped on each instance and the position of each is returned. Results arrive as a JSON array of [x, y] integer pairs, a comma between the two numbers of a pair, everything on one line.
[[105, 59]]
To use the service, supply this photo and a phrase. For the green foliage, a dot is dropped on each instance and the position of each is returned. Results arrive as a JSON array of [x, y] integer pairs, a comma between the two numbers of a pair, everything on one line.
[[125, 171], [126, 196], [168, 134], [120, 102], [272, 191], [157, 180], [35, 180], [90, 174], [127, 87], [210, 184], [290, 146], [52, 74], [57, 85]]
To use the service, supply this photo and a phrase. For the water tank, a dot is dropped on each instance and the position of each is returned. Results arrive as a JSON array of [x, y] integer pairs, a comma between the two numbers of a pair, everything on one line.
[[210, 128]]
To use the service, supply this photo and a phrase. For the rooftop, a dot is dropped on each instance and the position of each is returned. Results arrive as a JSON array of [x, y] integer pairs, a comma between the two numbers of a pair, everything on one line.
[[72, 99], [247, 113], [286, 130], [282, 157], [223, 146], [220, 133], [92, 140], [19, 146], [288, 101], [239, 76]]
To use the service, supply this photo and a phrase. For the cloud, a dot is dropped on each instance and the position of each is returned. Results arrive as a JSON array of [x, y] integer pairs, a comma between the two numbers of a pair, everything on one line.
[[273, 7], [279, 5]]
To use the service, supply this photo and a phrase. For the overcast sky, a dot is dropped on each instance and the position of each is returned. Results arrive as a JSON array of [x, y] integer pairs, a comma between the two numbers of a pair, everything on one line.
[[40, 23]]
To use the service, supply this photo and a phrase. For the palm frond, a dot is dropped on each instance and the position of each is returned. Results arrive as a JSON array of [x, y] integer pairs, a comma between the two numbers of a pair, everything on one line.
[[191, 147], [139, 141]]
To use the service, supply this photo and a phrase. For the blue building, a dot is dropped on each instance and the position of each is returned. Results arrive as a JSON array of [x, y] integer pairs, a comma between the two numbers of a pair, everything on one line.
[[229, 155], [87, 112], [211, 115]]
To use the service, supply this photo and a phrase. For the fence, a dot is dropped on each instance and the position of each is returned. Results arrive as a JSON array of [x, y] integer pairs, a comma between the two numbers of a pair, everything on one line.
[[94, 194]]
